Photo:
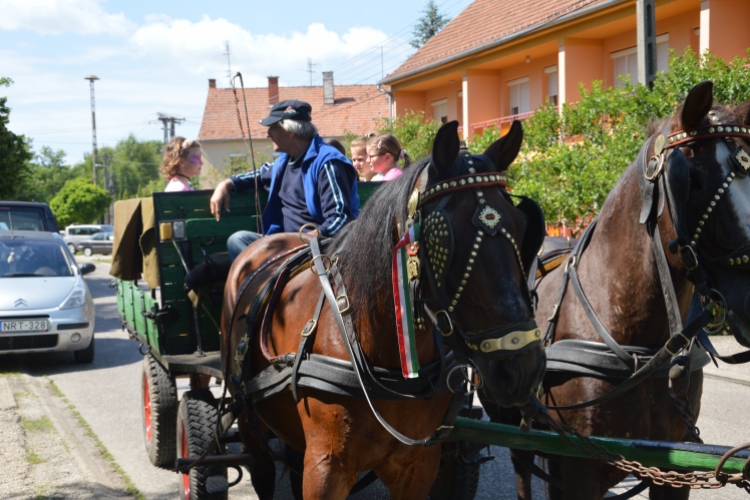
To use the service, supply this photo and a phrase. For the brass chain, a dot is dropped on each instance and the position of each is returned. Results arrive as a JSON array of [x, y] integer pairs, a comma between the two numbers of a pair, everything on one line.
[[692, 480]]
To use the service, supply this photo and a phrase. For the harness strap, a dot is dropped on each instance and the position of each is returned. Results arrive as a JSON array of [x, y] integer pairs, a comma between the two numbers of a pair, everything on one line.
[[306, 343], [339, 314], [587, 307], [674, 345]]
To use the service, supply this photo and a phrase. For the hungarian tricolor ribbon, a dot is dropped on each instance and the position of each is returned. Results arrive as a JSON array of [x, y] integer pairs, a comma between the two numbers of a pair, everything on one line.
[[407, 343]]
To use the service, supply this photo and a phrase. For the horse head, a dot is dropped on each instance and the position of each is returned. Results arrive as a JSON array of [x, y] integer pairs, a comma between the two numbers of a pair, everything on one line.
[[705, 149], [477, 247]]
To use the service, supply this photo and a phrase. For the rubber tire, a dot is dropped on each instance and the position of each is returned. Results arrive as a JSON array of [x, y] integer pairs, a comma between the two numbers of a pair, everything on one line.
[[72, 248], [88, 252], [158, 413], [85, 356], [196, 426], [457, 479]]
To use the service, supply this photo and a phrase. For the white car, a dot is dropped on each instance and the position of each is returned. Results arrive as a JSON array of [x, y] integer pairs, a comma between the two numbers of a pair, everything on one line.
[[45, 304]]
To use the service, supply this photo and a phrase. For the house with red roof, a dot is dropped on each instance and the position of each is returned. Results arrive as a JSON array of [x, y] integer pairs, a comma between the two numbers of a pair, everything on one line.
[[498, 60], [337, 111]]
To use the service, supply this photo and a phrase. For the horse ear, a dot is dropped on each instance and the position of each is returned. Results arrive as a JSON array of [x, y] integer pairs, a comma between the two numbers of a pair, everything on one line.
[[445, 148], [504, 150], [697, 105]]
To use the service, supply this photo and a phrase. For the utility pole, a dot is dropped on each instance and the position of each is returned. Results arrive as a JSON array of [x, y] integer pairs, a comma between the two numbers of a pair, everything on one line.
[[91, 79], [168, 122], [229, 64], [382, 71], [646, 34], [310, 69]]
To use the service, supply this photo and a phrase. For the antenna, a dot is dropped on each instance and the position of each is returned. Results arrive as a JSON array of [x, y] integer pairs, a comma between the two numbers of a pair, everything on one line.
[[229, 64], [309, 69]]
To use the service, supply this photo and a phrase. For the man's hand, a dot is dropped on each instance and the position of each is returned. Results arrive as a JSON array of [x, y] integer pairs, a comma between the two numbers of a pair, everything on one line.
[[221, 198]]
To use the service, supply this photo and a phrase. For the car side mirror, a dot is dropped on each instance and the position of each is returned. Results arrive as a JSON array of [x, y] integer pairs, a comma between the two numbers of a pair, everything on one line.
[[87, 268]]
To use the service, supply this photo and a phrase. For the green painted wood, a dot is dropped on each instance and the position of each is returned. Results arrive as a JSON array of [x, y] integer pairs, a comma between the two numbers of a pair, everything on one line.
[[212, 229], [662, 454]]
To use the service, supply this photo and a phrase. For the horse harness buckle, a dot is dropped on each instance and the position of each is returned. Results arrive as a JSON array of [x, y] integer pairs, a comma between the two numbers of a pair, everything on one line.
[[678, 334]]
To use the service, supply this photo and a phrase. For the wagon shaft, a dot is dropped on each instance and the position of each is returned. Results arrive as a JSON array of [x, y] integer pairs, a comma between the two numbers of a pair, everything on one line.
[[662, 454]]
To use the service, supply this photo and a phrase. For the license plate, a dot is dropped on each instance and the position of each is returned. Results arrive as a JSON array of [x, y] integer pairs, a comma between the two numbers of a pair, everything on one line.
[[24, 325]]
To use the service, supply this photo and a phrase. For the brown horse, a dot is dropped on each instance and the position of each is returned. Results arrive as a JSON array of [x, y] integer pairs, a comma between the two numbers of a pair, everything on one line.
[[339, 435], [706, 210]]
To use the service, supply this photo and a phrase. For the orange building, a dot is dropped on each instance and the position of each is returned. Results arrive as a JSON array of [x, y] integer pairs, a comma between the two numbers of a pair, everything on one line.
[[501, 59]]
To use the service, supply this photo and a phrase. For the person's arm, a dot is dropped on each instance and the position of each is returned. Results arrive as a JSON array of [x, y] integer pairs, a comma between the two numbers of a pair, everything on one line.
[[334, 189], [237, 184]]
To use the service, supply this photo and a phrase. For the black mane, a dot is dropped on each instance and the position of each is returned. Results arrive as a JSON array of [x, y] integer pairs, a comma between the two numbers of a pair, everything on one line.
[[365, 246]]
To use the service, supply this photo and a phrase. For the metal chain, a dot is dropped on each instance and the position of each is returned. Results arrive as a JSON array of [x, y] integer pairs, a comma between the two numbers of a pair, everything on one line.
[[692, 480], [686, 412]]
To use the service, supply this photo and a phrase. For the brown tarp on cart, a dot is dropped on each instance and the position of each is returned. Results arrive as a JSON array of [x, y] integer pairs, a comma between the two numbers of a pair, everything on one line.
[[134, 250]]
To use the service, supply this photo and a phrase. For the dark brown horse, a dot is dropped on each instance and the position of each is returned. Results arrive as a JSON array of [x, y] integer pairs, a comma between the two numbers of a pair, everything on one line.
[[706, 210], [339, 435]]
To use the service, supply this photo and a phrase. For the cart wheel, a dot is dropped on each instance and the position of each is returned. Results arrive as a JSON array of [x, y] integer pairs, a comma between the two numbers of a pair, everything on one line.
[[457, 478], [159, 397], [196, 426]]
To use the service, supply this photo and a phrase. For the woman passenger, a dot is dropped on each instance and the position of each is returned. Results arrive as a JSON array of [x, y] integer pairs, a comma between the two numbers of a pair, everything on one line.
[[182, 160]]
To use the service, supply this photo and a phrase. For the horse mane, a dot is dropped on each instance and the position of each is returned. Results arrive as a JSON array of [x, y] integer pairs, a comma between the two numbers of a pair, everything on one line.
[[365, 245]]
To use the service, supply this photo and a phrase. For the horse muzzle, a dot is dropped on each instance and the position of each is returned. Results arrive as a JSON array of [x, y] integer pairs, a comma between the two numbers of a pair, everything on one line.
[[505, 342]]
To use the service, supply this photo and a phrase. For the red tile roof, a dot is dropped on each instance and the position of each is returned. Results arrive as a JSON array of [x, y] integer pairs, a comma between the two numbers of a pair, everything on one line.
[[354, 110], [487, 21]]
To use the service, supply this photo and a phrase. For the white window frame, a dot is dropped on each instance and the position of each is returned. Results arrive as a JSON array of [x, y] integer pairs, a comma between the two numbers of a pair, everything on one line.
[[440, 110], [552, 76], [631, 54], [523, 104]]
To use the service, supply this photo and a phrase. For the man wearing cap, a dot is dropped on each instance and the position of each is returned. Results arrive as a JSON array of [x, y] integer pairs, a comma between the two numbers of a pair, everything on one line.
[[310, 182]]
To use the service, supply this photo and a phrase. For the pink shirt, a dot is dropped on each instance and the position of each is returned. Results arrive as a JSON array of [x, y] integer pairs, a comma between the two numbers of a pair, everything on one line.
[[393, 173], [175, 185]]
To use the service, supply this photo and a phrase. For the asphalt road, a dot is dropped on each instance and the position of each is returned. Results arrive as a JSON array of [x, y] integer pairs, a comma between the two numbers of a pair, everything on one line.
[[107, 395]]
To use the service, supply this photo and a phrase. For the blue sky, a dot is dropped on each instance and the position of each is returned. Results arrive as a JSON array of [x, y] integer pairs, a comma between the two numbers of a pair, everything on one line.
[[158, 56]]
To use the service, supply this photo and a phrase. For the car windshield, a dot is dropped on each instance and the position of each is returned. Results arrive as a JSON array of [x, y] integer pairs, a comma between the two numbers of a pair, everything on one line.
[[24, 257], [20, 219]]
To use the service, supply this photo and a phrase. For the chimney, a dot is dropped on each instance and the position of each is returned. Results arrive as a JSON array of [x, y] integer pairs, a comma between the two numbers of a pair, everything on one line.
[[328, 87], [273, 90], [211, 83]]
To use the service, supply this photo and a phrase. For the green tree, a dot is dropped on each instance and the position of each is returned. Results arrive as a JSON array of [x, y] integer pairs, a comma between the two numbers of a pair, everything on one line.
[[413, 131], [14, 152], [79, 201], [428, 25], [571, 159], [47, 174]]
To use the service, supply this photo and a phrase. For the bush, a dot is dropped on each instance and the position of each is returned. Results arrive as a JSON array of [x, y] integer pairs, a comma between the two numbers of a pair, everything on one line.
[[413, 131], [571, 160]]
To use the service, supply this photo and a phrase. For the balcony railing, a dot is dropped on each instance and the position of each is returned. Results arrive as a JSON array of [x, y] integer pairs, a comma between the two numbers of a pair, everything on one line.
[[479, 126]]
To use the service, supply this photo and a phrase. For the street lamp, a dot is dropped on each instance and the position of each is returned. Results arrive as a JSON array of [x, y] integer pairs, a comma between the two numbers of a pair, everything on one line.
[[91, 79]]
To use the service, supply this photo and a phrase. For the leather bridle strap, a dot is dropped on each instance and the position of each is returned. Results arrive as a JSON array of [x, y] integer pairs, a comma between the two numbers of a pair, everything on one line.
[[339, 309]]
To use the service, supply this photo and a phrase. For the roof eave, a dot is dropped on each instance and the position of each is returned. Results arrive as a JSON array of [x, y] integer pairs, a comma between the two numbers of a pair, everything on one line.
[[497, 43]]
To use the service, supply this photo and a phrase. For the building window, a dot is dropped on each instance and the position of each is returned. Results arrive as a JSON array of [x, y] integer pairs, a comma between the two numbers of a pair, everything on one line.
[[552, 92], [626, 61], [440, 111], [519, 96]]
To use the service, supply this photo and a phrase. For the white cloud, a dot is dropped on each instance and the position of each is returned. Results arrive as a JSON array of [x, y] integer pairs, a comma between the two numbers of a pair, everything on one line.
[[55, 17]]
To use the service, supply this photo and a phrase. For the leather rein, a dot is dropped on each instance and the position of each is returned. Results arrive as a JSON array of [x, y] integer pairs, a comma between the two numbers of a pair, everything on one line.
[[652, 177]]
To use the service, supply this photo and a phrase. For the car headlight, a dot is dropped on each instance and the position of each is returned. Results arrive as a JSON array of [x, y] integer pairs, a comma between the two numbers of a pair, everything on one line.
[[77, 298]]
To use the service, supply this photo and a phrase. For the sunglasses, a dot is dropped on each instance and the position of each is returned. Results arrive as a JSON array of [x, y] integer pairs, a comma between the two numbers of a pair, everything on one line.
[[370, 157]]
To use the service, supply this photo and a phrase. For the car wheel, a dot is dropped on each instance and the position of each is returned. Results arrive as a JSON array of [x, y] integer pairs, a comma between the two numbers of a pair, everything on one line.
[[196, 425], [72, 248], [159, 397], [88, 252], [85, 355]]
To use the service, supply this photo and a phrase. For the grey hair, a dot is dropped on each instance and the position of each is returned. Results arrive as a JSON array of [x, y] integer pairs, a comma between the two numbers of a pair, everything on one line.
[[303, 130]]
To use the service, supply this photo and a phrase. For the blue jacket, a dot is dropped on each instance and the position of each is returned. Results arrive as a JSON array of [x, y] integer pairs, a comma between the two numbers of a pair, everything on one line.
[[330, 186]]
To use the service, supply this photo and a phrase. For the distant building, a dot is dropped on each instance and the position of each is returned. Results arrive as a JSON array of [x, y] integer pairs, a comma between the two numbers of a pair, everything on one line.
[[337, 110], [501, 59]]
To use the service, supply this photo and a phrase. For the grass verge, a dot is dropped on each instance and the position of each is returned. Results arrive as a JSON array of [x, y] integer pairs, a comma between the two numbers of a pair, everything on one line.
[[129, 485], [36, 424]]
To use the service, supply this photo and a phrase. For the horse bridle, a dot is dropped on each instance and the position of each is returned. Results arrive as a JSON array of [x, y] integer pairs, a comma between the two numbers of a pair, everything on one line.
[[435, 250]]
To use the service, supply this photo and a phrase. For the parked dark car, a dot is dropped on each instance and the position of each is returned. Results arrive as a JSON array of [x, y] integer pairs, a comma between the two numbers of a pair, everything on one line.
[[98, 243], [27, 216]]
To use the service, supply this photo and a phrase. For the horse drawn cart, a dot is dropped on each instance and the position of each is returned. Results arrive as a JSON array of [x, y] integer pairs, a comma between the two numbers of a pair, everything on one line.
[[170, 264]]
